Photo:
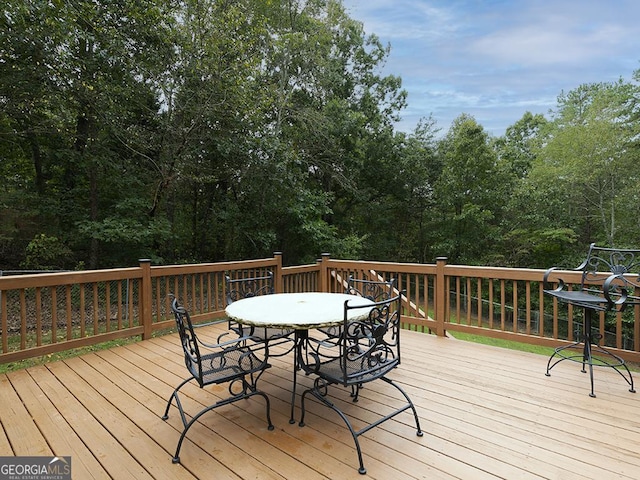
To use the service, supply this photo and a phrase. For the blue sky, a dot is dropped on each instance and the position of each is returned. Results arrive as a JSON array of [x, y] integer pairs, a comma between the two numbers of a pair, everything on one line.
[[497, 59]]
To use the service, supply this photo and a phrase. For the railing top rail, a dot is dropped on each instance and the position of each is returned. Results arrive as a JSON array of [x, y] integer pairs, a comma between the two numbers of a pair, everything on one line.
[[301, 268], [67, 278], [161, 270], [383, 266], [530, 274]]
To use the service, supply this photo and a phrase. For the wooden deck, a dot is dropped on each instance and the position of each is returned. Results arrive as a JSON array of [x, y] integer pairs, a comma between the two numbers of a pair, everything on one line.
[[487, 413]]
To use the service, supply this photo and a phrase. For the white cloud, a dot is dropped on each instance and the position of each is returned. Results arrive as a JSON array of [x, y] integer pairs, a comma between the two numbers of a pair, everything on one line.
[[401, 18], [500, 58]]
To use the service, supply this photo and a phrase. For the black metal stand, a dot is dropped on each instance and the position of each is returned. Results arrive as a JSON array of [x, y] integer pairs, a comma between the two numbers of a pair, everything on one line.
[[589, 352]]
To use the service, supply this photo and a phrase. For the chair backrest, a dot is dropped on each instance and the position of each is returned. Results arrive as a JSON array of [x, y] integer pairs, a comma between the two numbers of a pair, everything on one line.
[[601, 263], [376, 291], [188, 339], [370, 345], [245, 287]]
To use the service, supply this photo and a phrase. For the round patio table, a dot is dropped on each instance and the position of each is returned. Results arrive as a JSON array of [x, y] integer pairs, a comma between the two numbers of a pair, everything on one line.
[[298, 311]]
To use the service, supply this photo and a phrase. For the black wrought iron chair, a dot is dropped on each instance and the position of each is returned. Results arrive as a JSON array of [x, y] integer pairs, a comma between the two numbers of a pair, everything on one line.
[[374, 290], [245, 287], [236, 362], [368, 348], [609, 283]]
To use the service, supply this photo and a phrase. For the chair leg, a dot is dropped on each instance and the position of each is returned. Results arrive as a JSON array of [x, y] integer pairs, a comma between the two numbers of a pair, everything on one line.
[[187, 425], [268, 407], [583, 352], [614, 362], [178, 403], [355, 392], [587, 358], [176, 456], [410, 404], [322, 397], [320, 390], [582, 356]]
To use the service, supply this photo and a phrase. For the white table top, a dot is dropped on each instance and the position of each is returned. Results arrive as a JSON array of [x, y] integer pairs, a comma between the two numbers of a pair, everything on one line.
[[296, 310]]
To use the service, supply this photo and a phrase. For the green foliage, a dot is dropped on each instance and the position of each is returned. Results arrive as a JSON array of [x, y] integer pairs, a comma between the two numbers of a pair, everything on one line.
[[210, 130], [46, 253], [471, 190], [588, 154]]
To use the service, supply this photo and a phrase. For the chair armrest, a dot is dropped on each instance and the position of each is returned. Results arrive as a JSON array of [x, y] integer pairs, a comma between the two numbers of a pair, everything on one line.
[[319, 351], [235, 357], [546, 285], [208, 324], [561, 284], [615, 290], [243, 341]]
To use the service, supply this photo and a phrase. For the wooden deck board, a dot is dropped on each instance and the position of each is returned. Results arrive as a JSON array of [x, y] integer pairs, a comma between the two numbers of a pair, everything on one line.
[[23, 436], [60, 435], [487, 413]]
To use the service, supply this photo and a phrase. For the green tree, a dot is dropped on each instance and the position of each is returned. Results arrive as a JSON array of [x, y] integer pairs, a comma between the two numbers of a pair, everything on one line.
[[393, 208], [328, 108], [471, 193], [74, 81], [588, 154], [532, 233]]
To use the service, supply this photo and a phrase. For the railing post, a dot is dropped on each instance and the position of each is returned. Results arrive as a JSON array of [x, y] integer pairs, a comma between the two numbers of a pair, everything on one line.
[[324, 272], [145, 298], [440, 296], [278, 275]]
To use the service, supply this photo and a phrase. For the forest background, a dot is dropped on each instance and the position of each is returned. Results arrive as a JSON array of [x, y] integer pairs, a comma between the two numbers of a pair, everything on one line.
[[210, 130]]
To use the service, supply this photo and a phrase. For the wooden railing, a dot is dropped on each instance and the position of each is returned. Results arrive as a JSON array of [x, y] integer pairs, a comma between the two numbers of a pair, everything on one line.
[[53, 312]]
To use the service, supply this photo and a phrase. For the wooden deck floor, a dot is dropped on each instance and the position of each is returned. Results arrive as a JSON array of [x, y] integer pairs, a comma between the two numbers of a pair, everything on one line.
[[487, 413]]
